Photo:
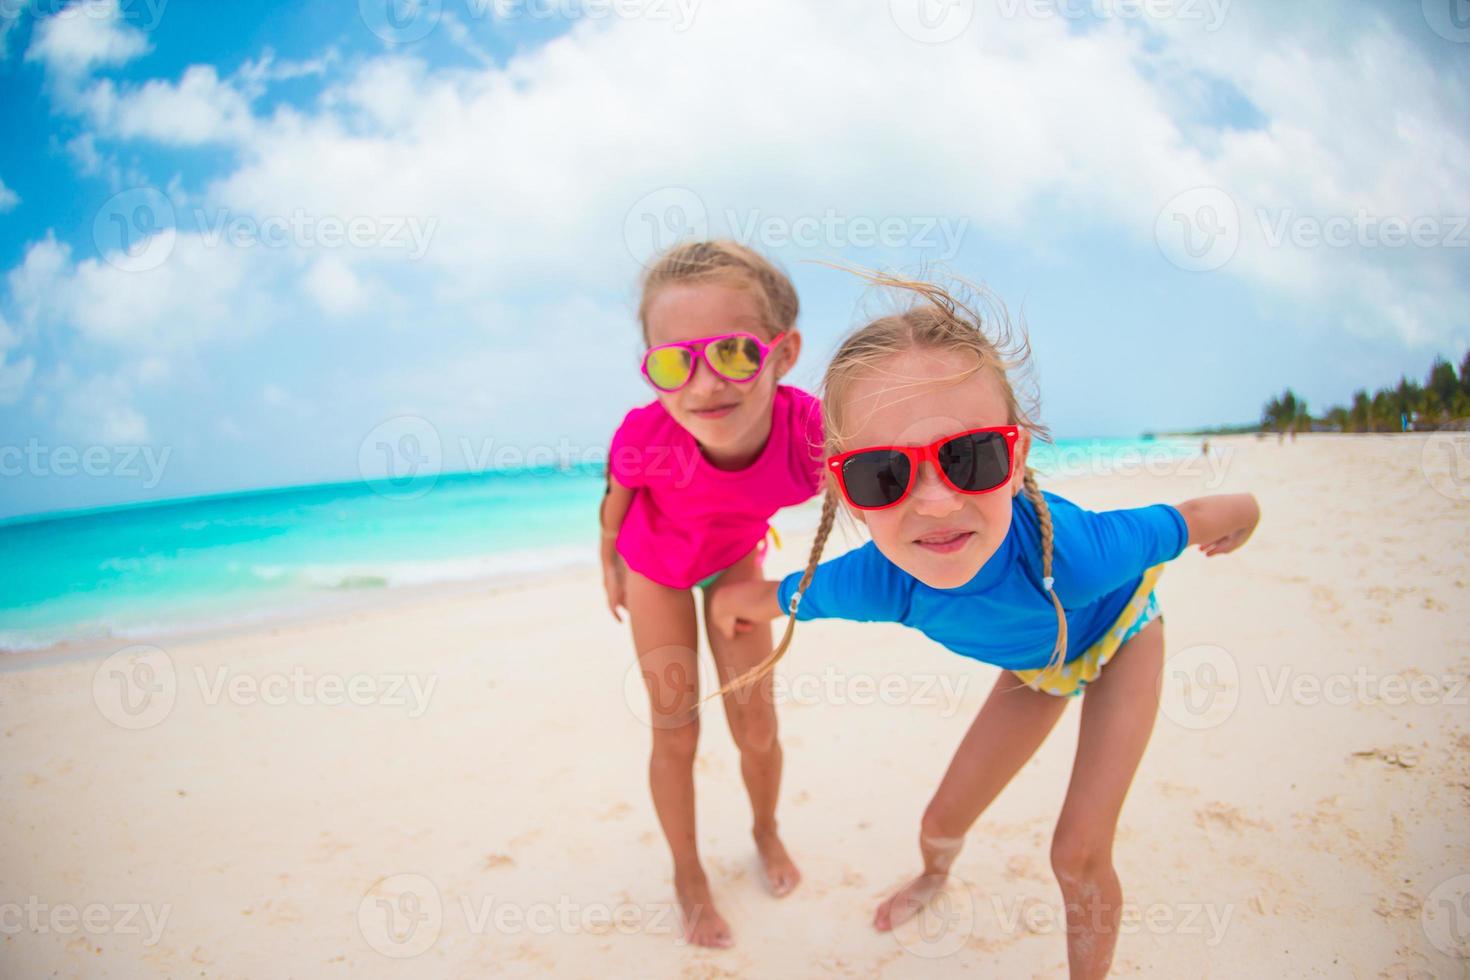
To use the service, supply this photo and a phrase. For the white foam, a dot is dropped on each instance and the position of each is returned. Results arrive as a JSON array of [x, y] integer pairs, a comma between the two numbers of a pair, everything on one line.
[[398, 574]]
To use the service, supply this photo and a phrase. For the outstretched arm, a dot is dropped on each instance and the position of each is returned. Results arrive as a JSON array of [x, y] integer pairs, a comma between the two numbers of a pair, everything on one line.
[[736, 606], [1221, 523]]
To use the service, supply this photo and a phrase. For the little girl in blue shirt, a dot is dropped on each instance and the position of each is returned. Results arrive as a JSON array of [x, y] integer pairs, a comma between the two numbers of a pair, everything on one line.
[[928, 444]]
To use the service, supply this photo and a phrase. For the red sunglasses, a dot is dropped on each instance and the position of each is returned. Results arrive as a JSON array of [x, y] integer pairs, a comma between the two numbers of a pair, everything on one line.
[[974, 461]]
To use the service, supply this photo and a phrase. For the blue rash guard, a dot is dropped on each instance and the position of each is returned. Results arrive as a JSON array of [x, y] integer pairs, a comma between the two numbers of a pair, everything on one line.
[[1003, 616]]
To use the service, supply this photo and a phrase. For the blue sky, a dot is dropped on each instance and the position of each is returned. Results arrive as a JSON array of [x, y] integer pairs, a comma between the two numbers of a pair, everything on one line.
[[251, 242]]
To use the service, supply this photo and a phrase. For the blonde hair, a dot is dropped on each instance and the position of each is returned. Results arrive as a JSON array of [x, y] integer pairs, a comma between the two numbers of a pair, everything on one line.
[[935, 320], [729, 263]]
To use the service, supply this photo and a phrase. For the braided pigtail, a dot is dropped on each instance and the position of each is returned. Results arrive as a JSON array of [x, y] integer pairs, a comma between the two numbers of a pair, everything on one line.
[[765, 667], [1043, 520]]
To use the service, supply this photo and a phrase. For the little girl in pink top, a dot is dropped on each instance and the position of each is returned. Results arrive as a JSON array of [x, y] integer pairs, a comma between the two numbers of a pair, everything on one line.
[[694, 478]]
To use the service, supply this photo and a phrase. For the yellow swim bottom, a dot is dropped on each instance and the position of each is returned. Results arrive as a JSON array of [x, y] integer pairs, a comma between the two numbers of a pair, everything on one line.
[[1070, 678]]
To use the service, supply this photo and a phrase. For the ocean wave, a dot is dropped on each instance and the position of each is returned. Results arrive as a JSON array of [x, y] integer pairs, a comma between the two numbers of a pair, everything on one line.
[[42, 637], [399, 574], [19, 641]]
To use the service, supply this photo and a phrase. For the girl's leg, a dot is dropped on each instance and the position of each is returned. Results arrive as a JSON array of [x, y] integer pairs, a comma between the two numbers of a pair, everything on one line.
[[665, 635], [1118, 714], [751, 713], [1011, 725]]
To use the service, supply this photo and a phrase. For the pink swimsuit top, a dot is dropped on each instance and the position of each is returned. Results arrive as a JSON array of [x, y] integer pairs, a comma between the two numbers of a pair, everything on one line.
[[690, 519]]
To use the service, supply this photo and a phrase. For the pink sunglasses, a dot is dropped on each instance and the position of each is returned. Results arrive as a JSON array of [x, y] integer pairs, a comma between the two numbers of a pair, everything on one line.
[[736, 357]]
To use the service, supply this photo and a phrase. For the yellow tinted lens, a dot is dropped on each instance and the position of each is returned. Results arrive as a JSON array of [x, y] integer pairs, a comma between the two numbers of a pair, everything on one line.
[[737, 358], [668, 367]]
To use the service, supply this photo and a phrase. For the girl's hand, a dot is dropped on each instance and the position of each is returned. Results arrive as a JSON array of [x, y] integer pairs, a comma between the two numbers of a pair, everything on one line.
[[723, 613], [1227, 544], [613, 585], [1222, 523], [736, 607]]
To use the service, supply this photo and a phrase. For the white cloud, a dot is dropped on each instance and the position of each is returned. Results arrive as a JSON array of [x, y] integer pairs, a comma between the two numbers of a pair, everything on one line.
[[101, 409], [334, 287], [98, 409], [8, 198], [85, 36], [1321, 155], [255, 75], [198, 109], [1037, 133], [198, 294], [10, 15], [14, 376], [279, 399], [1019, 122], [1012, 125], [33, 282]]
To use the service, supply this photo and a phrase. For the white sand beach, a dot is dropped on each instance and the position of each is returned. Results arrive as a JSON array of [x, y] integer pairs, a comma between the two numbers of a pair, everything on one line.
[[457, 786]]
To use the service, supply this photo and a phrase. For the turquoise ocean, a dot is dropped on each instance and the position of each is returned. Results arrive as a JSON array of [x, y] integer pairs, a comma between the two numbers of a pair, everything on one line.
[[203, 563]]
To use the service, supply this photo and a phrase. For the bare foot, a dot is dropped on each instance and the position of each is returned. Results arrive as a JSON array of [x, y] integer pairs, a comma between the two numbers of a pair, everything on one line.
[[781, 873], [907, 902], [703, 926]]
